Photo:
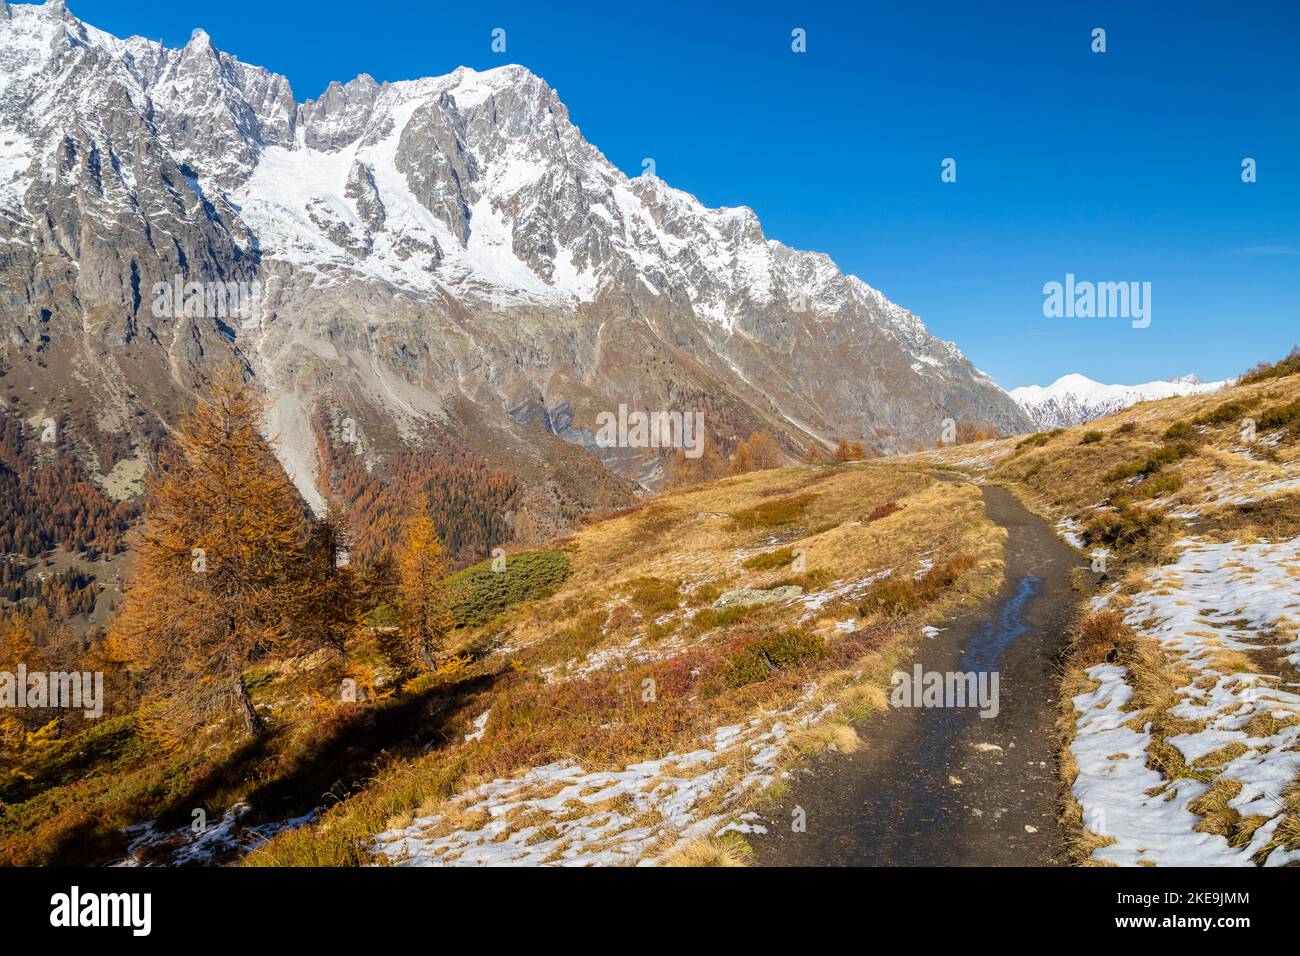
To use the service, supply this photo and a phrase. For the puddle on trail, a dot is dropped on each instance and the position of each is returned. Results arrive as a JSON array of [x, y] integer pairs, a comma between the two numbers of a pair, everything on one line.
[[997, 635], [922, 798]]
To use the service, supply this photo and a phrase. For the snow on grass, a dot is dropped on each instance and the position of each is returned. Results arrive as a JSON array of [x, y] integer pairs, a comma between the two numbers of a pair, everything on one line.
[[480, 726], [1071, 533], [565, 815], [1251, 486], [214, 843], [632, 653], [840, 591], [1220, 605], [986, 460]]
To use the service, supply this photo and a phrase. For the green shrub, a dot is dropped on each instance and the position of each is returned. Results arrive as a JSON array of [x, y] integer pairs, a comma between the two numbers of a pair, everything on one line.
[[706, 619], [770, 559], [892, 597], [1165, 455], [1170, 454], [1232, 411], [1279, 416], [809, 580], [772, 514], [898, 596], [707, 593], [654, 596], [576, 639], [1158, 486], [1123, 472], [73, 759], [385, 615], [1091, 437], [1036, 440], [781, 650], [1126, 527], [477, 594], [1267, 370], [1179, 430]]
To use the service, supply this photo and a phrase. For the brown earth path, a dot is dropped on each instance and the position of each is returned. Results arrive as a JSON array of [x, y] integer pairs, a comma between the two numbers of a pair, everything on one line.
[[895, 802]]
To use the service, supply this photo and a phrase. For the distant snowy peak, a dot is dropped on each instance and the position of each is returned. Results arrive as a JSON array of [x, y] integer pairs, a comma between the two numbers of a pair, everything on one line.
[[1075, 399]]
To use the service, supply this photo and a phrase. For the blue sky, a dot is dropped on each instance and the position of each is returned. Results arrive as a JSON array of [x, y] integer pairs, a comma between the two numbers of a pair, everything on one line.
[[1122, 166]]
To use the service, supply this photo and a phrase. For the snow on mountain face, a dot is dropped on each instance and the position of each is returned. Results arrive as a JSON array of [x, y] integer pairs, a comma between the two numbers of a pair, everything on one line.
[[448, 249], [1075, 399]]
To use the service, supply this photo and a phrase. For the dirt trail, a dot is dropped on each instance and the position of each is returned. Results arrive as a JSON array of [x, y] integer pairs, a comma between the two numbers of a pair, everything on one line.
[[893, 803]]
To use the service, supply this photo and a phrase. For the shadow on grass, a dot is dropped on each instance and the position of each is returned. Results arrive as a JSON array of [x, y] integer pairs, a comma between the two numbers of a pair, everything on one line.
[[281, 778]]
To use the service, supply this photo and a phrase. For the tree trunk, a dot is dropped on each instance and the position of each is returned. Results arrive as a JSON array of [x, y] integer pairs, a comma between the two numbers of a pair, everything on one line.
[[253, 722]]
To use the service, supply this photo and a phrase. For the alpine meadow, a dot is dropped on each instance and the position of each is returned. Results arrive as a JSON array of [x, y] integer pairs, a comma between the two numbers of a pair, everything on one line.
[[408, 479]]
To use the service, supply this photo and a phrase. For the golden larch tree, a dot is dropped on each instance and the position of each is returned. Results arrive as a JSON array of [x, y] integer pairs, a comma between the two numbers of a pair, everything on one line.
[[421, 591], [765, 452], [222, 562], [847, 450], [742, 459]]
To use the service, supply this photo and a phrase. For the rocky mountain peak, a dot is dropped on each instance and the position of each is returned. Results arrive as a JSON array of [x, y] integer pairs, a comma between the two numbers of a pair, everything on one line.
[[446, 250]]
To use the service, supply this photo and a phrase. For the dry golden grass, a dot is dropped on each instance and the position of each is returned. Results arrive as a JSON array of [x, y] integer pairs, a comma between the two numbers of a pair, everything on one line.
[[628, 576], [1195, 458], [1059, 475], [708, 851], [700, 555], [1219, 818], [827, 735]]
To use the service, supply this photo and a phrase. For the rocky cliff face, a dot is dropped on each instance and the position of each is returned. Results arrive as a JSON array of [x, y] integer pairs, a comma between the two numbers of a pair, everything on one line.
[[447, 252]]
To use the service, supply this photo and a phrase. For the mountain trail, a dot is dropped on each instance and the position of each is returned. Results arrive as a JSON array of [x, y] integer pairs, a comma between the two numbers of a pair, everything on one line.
[[944, 786]]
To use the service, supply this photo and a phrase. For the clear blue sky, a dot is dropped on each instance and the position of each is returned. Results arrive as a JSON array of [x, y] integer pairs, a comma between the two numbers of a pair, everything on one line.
[[1117, 166]]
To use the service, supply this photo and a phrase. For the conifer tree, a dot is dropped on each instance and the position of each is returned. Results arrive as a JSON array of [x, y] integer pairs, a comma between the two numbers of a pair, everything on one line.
[[742, 459], [422, 595], [337, 591], [764, 452], [691, 471], [18, 646], [221, 562], [849, 451]]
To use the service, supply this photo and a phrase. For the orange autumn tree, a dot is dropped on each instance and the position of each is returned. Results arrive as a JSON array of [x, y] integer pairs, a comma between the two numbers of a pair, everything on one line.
[[18, 646], [742, 460], [757, 453], [222, 562], [765, 452], [711, 464], [421, 590], [847, 450]]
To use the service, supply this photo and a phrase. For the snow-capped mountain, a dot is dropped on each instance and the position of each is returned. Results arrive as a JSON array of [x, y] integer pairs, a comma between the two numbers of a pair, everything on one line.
[[445, 253], [1075, 399]]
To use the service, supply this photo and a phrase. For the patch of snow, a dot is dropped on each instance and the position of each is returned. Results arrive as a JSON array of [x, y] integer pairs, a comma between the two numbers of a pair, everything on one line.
[[1215, 598]]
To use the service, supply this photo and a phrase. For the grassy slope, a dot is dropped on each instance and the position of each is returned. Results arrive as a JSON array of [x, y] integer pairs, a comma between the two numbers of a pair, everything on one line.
[[567, 672], [1199, 474], [560, 675]]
